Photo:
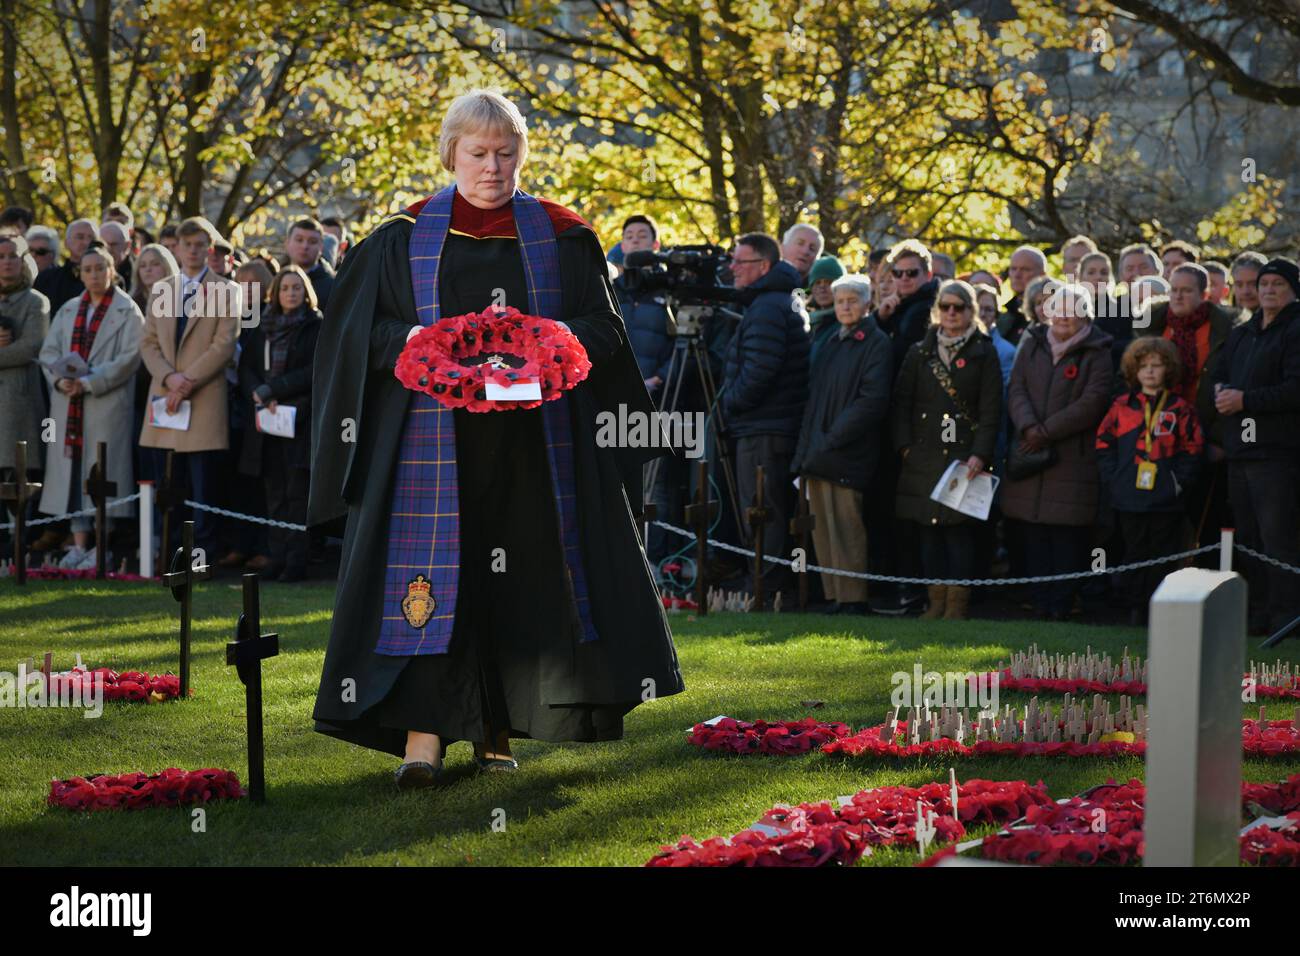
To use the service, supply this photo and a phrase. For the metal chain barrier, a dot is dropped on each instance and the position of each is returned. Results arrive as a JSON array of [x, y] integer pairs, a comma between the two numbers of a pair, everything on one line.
[[84, 512], [863, 575], [193, 504], [235, 514], [1264, 557], [972, 582]]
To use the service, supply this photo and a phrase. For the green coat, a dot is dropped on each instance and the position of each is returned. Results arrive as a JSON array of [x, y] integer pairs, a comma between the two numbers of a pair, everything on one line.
[[920, 408]]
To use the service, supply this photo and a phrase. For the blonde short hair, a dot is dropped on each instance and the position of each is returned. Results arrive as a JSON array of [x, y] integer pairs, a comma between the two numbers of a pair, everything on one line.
[[478, 111]]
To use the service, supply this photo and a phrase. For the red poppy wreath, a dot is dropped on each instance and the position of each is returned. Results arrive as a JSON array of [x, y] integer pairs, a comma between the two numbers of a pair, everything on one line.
[[455, 359]]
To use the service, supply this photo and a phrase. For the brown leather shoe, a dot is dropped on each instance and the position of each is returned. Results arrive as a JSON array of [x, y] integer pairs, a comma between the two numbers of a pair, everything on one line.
[[958, 606], [258, 563], [938, 602], [232, 560]]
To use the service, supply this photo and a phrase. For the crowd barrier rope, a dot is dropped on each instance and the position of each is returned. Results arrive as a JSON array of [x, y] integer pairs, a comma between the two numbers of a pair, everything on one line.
[[788, 562]]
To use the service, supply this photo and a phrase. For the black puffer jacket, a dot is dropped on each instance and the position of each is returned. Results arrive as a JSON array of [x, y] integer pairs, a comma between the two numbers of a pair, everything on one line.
[[910, 320], [766, 379], [645, 313], [920, 406], [1265, 364], [848, 407]]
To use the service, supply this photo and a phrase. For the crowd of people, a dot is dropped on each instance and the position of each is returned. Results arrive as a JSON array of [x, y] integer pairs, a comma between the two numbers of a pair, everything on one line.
[[1126, 409], [187, 359], [1124, 414]]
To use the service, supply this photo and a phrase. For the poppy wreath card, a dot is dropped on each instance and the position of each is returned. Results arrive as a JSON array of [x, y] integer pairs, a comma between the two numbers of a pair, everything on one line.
[[458, 360]]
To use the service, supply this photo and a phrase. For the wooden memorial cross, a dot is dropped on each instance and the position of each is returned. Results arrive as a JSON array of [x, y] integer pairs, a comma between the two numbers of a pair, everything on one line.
[[180, 578], [801, 526], [699, 515], [99, 489], [168, 497], [246, 652], [756, 515], [16, 494]]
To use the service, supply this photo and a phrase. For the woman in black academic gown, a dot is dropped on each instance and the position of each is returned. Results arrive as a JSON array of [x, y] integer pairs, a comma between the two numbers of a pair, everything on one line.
[[516, 665]]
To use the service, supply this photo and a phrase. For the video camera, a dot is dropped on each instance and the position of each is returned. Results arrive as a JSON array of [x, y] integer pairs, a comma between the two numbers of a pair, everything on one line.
[[691, 278]]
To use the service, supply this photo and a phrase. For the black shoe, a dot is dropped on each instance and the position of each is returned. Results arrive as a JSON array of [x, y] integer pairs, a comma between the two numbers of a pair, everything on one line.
[[854, 607], [417, 775], [495, 764], [887, 604], [912, 595], [292, 573], [830, 607]]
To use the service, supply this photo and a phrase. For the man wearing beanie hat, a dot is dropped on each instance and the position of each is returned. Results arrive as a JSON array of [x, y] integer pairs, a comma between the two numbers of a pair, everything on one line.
[[1257, 390], [821, 305]]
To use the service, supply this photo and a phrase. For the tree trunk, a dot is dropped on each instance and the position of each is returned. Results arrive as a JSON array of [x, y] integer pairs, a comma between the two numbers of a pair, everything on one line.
[[23, 190]]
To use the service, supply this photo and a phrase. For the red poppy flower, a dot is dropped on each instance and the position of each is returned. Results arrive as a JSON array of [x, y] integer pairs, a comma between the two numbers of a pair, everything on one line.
[[960, 363], [1071, 372], [859, 335]]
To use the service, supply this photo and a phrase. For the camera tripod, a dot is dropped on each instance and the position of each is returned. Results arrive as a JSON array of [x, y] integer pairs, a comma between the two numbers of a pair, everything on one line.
[[686, 323]]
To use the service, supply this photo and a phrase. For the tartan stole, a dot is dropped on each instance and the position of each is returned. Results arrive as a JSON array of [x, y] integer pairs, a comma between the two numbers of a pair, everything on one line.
[[83, 340], [422, 574]]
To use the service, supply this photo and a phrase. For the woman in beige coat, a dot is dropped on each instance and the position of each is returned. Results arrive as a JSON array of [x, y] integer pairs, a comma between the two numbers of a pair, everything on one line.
[[24, 323], [103, 396]]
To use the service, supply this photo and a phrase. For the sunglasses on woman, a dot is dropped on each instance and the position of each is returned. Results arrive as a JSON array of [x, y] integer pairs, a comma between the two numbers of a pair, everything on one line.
[[953, 306], [905, 273]]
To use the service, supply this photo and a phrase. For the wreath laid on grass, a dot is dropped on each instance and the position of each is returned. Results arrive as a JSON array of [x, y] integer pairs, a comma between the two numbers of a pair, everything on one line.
[[1102, 826], [824, 834], [172, 787], [763, 736], [133, 686], [455, 358]]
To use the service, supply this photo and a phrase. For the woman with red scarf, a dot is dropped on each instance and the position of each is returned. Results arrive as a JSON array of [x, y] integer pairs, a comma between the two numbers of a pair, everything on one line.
[[1198, 329], [103, 327]]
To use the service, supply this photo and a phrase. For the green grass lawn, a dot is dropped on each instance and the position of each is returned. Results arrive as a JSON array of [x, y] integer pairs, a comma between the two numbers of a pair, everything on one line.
[[611, 803]]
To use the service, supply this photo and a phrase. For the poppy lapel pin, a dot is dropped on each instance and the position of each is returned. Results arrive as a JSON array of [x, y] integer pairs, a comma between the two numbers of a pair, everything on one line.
[[960, 363], [1071, 371]]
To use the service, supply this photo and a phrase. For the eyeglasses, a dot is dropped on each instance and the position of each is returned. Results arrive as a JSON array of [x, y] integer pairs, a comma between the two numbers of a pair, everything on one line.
[[953, 306], [40, 252], [905, 273]]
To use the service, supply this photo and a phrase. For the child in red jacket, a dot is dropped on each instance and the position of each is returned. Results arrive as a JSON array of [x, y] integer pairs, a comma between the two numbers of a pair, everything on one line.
[[1149, 449]]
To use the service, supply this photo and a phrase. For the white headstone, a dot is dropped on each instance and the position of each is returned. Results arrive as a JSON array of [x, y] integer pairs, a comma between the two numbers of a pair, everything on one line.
[[1193, 719]]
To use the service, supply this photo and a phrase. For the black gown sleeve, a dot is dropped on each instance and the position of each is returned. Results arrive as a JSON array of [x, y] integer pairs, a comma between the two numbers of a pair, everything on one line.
[[593, 307], [370, 311]]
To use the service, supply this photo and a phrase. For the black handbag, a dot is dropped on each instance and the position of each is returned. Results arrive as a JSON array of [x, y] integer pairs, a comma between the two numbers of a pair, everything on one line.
[[1025, 464]]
